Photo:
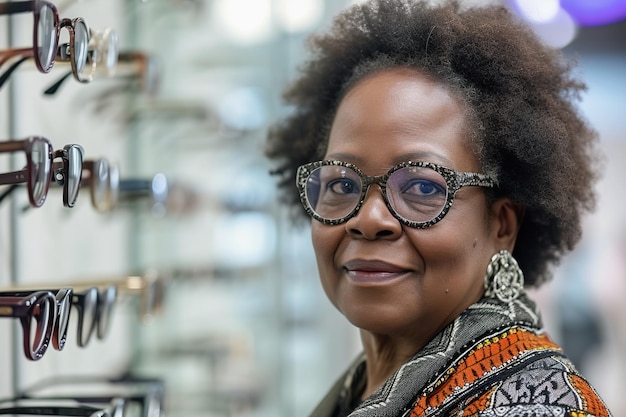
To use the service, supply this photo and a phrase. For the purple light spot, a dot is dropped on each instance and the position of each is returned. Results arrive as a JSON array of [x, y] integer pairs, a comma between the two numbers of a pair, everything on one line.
[[595, 12]]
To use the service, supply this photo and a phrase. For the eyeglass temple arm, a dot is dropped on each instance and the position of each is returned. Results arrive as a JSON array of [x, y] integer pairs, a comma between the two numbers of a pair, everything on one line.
[[55, 87], [5, 76], [15, 177], [8, 192], [16, 7]]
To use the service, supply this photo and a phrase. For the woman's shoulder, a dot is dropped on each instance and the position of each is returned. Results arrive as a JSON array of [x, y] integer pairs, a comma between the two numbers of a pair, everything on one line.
[[546, 386], [516, 372]]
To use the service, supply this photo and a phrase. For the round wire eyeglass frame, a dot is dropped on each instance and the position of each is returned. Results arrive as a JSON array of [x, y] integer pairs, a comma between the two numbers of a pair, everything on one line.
[[455, 180]]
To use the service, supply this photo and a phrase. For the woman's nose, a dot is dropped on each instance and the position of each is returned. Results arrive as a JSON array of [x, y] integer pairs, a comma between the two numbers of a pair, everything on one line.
[[374, 220]]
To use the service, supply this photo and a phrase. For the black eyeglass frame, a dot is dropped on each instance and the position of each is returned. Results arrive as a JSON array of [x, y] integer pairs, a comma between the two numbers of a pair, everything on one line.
[[455, 180], [70, 173], [104, 300]]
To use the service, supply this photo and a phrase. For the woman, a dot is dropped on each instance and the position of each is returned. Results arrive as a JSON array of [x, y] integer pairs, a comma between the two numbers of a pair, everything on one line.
[[445, 166]]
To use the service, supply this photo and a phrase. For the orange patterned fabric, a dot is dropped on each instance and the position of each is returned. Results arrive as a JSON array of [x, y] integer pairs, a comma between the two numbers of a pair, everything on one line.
[[495, 354]]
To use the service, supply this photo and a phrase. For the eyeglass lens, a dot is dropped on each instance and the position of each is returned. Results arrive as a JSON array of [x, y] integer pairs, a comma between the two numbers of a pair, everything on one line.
[[99, 184], [105, 306], [81, 42], [74, 172], [38, 334], [87, 316], [46, 36], [416, 194], [111, 52], [63, 321], [41, 165]]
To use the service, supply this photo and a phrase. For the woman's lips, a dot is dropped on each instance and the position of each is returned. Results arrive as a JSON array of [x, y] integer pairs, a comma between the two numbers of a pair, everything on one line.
[[373, 271]]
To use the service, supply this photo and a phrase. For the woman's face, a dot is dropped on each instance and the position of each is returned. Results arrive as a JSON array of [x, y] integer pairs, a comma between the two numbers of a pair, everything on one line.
[[388, 278]]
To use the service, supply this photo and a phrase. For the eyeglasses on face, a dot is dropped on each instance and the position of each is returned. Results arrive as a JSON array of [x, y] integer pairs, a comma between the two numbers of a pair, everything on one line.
[[45, 32], [95, 308], [61, 320], [40, 306], [418, 194]]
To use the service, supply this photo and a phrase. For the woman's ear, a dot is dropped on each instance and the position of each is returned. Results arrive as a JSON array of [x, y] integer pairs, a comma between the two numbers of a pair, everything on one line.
[[506, 219]]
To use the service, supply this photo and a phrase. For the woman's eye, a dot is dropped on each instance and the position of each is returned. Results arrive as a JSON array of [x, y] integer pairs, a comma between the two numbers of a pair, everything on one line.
[[343, 186], [423, 188]]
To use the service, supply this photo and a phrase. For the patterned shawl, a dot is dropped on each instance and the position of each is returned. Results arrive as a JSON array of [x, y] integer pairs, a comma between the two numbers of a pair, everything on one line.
[[492, 361]]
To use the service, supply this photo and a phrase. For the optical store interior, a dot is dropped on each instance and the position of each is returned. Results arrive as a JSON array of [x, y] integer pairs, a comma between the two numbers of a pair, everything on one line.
[[204, 294]]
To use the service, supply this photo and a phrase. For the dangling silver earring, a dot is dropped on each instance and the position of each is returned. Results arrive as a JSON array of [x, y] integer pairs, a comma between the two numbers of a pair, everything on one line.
[[504, 279]]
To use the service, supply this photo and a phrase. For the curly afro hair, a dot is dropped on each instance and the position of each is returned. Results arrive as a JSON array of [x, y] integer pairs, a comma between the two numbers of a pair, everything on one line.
[[520, 93]]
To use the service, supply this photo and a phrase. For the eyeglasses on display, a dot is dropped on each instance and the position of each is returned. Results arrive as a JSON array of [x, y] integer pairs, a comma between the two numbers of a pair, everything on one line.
[[37, 172], [39, 169], [39, 306], [102, 178], [131, 65], [144, 396], [46, 50], [61, 407], [69, 172], [103, 56], [45, 32], [418, 194], [95, 310], [76, 51], [150, 287], [61, 320]]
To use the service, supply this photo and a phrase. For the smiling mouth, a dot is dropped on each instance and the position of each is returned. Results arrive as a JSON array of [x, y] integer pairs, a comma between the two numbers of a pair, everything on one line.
[[373, 272], [373, 277]]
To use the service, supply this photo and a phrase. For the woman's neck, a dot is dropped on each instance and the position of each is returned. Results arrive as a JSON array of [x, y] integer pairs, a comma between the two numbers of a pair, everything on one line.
[[384, 355]]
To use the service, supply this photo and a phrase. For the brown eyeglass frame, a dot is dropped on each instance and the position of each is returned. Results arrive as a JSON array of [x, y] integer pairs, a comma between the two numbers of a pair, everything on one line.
[[27, 6], [64, 306], [27, 174], [25, 308]]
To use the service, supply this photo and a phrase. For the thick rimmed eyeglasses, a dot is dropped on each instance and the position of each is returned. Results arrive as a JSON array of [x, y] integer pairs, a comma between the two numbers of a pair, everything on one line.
[[418, 194], [46, 49], [40, 306], [45, 32], [57, 332], [39, 169]]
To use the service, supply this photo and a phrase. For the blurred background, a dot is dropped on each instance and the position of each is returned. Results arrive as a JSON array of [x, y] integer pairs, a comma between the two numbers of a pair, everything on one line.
[[225, 306]]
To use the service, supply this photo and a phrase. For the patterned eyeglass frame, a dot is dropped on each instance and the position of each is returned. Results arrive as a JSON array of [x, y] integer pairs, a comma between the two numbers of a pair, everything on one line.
[[455, 180]]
